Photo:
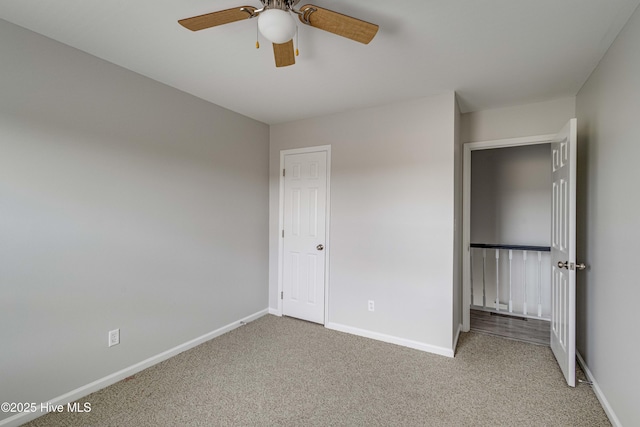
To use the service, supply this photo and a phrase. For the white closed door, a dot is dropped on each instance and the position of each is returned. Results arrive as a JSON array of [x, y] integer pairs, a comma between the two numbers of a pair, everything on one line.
[[563, 251], [304, 219]]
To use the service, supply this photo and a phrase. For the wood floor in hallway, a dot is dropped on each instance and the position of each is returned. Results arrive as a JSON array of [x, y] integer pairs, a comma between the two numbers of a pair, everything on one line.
[[522, 329]]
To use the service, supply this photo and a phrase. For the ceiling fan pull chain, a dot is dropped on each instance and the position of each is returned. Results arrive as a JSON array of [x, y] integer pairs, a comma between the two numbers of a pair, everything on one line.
[[297, 52]]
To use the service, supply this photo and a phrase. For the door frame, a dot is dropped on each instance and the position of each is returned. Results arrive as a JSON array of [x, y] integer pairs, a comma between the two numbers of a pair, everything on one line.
[[327, 246], [466, 207]]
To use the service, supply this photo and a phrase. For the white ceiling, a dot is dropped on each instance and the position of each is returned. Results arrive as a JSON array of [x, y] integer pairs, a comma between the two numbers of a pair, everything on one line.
[[493, 53]]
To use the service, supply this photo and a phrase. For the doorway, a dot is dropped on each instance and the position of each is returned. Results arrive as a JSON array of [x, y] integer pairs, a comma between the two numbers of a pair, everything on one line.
[[510, 242], [562, 260], [507, 213], [490, 255], [304, 224]]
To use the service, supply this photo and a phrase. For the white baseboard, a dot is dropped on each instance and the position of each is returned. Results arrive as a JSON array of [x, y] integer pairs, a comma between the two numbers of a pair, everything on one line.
[[275, 312], [391, 339], [85, 390], [615, 422]]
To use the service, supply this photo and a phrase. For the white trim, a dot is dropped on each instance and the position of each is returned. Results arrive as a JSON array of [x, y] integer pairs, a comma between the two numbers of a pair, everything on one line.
[[510, 142], [456, 338], [327, 245], [615, 422], [275, 312], [467, 148], [87, 389], [442, 351]]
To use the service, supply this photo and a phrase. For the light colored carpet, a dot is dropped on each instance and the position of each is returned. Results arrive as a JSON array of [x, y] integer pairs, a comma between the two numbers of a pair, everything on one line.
[[286, 372]]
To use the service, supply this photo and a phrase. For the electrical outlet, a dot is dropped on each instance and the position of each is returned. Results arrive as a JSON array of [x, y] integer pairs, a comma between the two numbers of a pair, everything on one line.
[[114, 337], [371, 305]]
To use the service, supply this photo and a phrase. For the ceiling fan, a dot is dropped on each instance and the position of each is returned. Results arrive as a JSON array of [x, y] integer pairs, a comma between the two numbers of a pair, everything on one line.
[[276, 23]]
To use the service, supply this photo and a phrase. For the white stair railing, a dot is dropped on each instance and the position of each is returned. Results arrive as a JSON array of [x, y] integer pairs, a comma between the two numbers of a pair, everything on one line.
[[513, 294]]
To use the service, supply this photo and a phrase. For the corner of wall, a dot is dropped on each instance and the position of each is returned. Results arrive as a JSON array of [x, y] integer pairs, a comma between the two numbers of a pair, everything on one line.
[[457, 230]]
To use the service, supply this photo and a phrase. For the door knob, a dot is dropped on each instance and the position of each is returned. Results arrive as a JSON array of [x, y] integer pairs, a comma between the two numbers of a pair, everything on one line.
[[568, 266], [320, 247]]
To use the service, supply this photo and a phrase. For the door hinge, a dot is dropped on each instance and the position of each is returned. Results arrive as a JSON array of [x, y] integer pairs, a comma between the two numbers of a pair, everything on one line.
[[283, 172], [282, 233], [282, 295]]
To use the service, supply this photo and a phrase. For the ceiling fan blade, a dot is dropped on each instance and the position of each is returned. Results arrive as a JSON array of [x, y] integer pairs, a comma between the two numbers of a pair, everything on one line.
[[337, 23], [284, 54], [214, 19]]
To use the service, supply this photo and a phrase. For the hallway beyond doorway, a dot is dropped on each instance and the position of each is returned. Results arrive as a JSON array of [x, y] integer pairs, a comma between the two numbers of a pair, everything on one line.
[[521, 329]]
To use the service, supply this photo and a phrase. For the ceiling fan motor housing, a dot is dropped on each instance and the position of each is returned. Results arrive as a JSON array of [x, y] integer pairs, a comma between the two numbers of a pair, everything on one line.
[[279, 4]]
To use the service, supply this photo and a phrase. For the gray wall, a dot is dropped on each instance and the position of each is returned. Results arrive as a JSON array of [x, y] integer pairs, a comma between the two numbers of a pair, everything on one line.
[[123, 204], [608, 106], [392, 215], [511, 195], [540, 118]]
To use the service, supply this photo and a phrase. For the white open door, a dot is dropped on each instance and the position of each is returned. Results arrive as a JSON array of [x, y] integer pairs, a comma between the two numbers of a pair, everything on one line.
[[563, 251], [304, 220]]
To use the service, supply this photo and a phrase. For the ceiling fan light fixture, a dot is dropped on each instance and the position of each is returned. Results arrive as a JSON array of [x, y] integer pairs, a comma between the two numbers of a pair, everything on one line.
[[277, 25]]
